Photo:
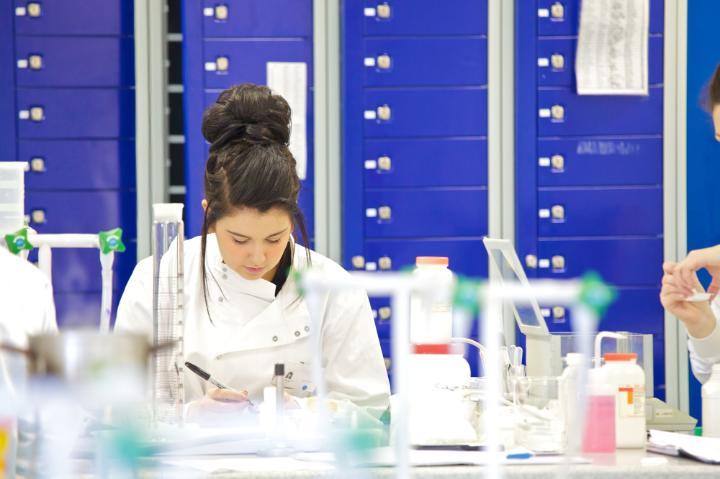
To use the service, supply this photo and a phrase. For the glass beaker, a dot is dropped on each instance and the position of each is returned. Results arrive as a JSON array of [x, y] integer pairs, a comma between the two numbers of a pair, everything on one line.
[[539, 421]]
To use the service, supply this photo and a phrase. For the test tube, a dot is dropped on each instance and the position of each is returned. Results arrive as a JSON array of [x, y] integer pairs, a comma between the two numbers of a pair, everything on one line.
[[168, 313]]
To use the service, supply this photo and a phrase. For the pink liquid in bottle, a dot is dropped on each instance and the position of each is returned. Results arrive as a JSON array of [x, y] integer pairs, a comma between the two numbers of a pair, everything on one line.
[[600, 424]]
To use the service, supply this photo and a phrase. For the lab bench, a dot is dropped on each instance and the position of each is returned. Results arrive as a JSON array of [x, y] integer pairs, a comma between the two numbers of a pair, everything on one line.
[[627, 464]]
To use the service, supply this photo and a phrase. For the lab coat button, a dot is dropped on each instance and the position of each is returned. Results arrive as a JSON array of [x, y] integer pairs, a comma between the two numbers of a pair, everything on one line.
[[275, 338], [307, 329], [220, 299], [297, 334], [224, 276]]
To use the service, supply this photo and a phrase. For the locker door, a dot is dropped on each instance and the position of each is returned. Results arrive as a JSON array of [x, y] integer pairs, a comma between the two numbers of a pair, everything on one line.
[[604, 161], [563, 113], [620, 261], [600, 212], [425, 162], [425, 17], [77, 164], [426, 112], [425, 61], [73, 17], [75, 61], [250, 18], [230, 62], [76, 113], [561, 17], [422, 213]]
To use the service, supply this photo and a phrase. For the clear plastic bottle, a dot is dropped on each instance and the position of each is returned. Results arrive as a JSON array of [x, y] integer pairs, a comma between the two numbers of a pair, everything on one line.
[[599, 431], [628, 381], [431, 314], [168, 312], [711, 404]]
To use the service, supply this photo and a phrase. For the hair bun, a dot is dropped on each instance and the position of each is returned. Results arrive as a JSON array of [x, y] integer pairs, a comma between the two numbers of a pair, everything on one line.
[[249, 113]]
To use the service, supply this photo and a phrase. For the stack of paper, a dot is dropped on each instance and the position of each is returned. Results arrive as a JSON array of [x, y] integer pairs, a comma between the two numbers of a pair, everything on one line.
[[703, 449]]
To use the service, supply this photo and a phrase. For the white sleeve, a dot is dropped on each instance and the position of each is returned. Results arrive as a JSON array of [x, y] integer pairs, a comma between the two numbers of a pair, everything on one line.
[[47, 304], [134, 313], [353, 361], [704, 352]]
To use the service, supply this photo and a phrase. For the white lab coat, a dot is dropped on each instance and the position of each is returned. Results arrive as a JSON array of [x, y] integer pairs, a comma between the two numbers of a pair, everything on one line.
[[252, 329], [26, 300], [705, 352]]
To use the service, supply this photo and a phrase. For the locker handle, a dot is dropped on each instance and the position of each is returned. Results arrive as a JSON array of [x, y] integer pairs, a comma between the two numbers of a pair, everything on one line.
[[385, 212], [385, 263], [558, 162], [38, 216], [37, 165], [557, 11], [383, 11], [37, 113], [531, 261], [358, 262], [558, 312], [34, 10], [557, 61], [221, 12], [384, 112], [384, 62], [558, 262], [384, 313]]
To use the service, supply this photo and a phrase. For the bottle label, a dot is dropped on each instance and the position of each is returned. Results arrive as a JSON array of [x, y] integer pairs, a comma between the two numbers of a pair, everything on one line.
[[631, 401]]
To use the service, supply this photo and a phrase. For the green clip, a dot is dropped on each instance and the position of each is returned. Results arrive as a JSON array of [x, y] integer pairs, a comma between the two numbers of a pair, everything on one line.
[[596, 294], [18, 241], [111, 240], [297, 277], [466, 295]]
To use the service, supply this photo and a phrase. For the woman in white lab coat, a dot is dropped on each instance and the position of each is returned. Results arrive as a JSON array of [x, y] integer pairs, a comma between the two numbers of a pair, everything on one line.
[[243, 309], [680, 281]]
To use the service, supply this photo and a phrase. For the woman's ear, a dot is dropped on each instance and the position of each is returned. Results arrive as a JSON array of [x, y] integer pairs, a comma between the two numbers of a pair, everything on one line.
[[204, 204]]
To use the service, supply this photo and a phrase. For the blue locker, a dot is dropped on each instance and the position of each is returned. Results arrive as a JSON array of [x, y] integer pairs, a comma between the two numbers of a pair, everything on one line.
[[76, 113], [75, 61], [247, 59], [425, 162], [599, 115], [8, 110], [562, 51], [423, 213], [599, 161], [81, 212], [74, 17], [600, 212], [77, 270], [467, 256], [425, 61], [424, 17], [382, 313], [79, 309], [250, 18], [453, 111], [77, 164], [567, 23], [621, 261]]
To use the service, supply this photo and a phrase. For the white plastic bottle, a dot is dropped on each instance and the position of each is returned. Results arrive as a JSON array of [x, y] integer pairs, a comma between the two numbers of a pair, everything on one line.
[[628, 381], [711, 404], [568, 396], [431, 314], [438, 411]]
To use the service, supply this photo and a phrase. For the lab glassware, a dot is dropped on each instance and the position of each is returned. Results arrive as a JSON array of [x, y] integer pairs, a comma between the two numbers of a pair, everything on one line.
[[168, 312]]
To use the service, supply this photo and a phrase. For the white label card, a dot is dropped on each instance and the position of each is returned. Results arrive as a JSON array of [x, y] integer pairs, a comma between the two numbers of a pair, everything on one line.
[[289, 79]]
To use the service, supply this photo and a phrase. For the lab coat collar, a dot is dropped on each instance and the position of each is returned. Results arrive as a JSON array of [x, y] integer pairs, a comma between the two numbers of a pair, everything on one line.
[[231, 281]]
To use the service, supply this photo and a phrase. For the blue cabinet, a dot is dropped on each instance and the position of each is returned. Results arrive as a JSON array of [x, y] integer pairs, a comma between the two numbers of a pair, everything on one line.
[[589, 172], [415, 121], [231, 42], [68, 109]]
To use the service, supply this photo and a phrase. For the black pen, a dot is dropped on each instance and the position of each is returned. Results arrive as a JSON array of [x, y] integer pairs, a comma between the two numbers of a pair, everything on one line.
[[206, 376]]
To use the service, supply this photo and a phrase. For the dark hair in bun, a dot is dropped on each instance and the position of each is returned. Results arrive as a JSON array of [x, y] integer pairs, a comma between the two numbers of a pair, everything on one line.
[[250, 164]]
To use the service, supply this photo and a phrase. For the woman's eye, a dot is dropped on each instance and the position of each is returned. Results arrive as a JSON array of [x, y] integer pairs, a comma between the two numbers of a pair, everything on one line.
[[239, 241], [273, 241]]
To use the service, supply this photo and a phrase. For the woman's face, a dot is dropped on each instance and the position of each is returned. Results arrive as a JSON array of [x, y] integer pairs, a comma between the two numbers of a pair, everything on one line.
[[252, 243], [716, 120]]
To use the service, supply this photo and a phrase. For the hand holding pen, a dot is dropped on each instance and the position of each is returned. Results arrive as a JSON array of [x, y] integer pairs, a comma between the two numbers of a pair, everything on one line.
[[217, 401]]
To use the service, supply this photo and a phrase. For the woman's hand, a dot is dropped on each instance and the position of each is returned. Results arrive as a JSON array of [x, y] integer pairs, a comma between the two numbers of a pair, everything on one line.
[[697, 316], [709, 259], [218, 406]]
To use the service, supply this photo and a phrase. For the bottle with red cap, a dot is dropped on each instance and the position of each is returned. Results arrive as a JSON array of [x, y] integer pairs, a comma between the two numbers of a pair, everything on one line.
[[627, 379], [431, 314]]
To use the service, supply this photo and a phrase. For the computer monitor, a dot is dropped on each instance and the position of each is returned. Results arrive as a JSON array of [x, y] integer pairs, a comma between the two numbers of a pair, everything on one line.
[[505, 263]]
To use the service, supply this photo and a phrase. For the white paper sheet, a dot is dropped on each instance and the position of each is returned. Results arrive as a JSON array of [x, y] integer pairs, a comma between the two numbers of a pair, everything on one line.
[[612, 49], [289, 79], [703, 449]]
